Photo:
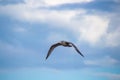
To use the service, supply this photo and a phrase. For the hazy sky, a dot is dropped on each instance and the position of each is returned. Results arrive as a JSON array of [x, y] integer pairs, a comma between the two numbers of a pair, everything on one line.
[[29, 27]]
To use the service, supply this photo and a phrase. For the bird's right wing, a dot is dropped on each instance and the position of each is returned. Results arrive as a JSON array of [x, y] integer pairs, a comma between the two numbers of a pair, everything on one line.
[[77, 50], [52, 48]]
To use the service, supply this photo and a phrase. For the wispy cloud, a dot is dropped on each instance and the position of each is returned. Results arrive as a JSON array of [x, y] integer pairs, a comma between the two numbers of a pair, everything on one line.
[[117, 1], [19, 29], [105, 61], [12, 56], [56, 37], [108, 75], [59, 2], [55, 2], [113, 38]]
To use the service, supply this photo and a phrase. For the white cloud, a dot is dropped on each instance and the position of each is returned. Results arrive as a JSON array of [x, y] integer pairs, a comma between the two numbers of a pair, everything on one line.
[[27, 12], [59, 2], [23, 12], [105, 61], [90, 28]]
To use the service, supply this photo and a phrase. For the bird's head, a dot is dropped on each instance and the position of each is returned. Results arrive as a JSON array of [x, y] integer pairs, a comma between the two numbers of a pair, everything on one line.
[[69, 45]]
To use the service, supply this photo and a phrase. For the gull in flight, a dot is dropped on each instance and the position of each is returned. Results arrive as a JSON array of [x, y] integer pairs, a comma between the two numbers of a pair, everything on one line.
[[65, 44]]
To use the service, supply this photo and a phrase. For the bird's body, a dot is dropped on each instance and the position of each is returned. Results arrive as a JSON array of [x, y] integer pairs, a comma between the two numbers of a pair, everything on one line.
[[65, 44]]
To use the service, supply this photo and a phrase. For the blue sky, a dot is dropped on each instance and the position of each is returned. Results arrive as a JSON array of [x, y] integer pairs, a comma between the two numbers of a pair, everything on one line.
[[29, 27]]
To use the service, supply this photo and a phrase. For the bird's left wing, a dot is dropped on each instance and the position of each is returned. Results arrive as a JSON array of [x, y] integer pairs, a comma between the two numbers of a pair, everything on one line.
[[52, 48], [77, 49]]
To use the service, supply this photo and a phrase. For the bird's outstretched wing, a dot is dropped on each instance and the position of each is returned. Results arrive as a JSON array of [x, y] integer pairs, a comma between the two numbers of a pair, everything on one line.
[[52, 48], [77, 49]]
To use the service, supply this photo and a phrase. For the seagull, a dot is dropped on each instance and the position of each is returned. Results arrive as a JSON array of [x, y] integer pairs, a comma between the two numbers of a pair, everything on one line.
[[65, 44]]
